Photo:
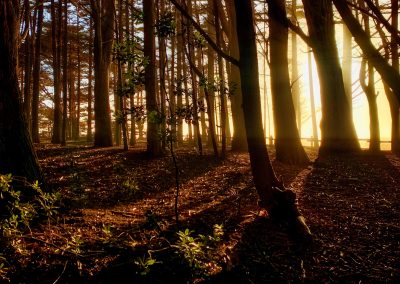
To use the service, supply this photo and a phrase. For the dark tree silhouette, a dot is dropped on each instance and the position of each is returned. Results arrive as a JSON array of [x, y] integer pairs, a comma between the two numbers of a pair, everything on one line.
[[17, 155]]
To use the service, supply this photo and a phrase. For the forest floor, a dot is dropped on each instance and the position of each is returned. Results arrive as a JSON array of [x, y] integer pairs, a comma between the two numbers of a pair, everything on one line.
[[116, 223]]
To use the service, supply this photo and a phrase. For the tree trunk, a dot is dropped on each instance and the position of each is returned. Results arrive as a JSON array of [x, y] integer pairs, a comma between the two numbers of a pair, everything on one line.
[[221, 81], [210, 70], [295, 82], [55, 48], [28, 69], [89, 135], [347, 63], [314, 141], [388, 73], [239, 142], [337, 128], [279, 203], [65, 69], [369, 90], [17, 155], [153, 141], [104, 12], [288, 145], [36, 74], [76, 132]]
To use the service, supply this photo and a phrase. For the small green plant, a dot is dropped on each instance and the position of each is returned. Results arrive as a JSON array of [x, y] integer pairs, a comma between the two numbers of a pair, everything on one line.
[[74, 245], [144, 264], [199, 252], [130, 186]]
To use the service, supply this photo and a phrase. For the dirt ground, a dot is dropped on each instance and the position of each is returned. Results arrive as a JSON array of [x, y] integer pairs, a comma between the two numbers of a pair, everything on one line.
[[117, 213]]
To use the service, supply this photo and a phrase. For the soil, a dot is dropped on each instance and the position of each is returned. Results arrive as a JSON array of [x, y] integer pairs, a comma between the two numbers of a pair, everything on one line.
[[116, 221]]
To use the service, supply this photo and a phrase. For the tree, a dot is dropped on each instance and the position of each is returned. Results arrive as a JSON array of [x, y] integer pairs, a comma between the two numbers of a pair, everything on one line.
[[153, 141], [65, 68], [36, 74], [103, 18], [288, 145], [17, 155], [369, 90], [55, 47], [337, 128], [279, 202], [388, 73]]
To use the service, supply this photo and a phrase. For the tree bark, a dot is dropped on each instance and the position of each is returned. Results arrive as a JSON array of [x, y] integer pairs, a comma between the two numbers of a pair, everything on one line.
[[55, 48], [288, 145], [153, 141], [279, 203], [17, 155], [65, 69], [103, 12], [36, 74], [337, 128], [89, 135]]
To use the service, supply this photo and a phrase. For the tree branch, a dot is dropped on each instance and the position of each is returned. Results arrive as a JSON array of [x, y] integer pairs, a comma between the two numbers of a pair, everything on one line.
[[204, 34]]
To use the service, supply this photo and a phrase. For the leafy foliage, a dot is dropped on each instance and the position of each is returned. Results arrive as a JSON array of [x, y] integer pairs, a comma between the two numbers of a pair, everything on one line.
[[166, 25], [199, 252]]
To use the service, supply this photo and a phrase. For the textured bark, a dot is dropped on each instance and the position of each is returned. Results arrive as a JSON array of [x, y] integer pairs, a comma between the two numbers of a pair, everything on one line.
[[55, 48], [210, 73], [153, 141], [65, 69], [221, 82], [337, 128], [288, 145], [36, 74], [17, 155], [89, 135], [279, 202], [103, 12], [28, 67], [239, 142]]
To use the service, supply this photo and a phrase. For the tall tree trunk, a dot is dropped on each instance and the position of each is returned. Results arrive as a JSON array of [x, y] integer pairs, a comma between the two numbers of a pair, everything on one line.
[[337, 128], [221, 82], [196, 126], [280, 204], [239, 142], [65, 69], [89, 135], [120, 38], [314, 142], [288, 145], [162, 69], [36, 74], [347, 63], [55, 48], [17, 155], [369, 90], [393, 102], [76, 121], [28, 67], [153, 142], [295, 82], [179, 77], [210, 69], [104, 12]]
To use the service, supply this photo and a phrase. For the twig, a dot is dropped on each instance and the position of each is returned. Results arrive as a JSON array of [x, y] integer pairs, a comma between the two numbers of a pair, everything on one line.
[[59, 277]]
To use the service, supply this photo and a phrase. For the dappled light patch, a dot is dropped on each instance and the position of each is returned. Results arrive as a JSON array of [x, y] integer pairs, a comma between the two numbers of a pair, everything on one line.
[[117, 221]]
